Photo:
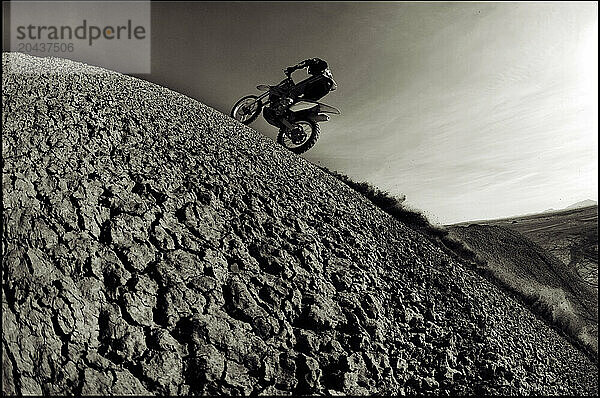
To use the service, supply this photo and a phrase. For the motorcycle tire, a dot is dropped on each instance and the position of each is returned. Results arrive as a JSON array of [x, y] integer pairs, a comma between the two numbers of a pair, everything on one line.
[[254, 114], [309, 143]]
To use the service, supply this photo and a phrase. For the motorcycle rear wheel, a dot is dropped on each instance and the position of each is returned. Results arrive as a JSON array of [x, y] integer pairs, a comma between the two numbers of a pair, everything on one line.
[[312, 135], [247, 109]]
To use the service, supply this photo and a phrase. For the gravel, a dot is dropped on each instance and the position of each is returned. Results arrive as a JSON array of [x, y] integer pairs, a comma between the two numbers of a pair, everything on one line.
[[152, 245]]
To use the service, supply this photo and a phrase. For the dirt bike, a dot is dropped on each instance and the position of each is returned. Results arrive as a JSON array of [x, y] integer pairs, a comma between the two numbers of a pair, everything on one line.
[[283, 106]]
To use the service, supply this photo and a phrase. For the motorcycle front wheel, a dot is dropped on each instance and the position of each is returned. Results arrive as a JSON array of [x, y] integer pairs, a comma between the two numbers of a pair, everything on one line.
[[247, 109], [301, 138]]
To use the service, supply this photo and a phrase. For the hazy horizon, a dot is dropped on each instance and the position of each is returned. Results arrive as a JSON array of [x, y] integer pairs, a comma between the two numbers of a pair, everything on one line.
[[472, 110]]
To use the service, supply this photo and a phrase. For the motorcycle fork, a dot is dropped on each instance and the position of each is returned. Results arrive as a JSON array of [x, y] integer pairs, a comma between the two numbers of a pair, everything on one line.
[[287, 124]]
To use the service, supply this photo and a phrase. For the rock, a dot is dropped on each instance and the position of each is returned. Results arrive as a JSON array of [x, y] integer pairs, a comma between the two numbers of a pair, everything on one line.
[[140, 300], [310, 374], [164, 368], [430, 384], [95, 383], [209, 366], [307, 341], [126, 384], [236, 375], [446, 374], [371, 306], [322, 314], [286, 368], [354, 362]]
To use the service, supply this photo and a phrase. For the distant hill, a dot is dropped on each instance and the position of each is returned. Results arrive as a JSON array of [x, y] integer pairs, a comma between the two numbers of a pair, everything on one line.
[[578, 205], [583, 203]]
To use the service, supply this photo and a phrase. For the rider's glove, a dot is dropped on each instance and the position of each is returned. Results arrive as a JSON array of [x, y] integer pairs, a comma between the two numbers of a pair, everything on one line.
[[289, 70]]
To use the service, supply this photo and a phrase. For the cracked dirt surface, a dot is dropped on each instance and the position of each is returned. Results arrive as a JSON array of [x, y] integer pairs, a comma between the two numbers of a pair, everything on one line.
[[152, 245]]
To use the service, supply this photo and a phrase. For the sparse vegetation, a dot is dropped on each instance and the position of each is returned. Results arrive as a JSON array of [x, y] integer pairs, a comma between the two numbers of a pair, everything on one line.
[[393, 205]]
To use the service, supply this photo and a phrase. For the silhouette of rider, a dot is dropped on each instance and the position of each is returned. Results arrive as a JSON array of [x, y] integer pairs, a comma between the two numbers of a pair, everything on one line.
[[319, 84]]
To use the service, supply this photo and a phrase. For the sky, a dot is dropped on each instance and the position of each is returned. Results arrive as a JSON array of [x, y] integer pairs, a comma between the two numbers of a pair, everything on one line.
[[472, 110]]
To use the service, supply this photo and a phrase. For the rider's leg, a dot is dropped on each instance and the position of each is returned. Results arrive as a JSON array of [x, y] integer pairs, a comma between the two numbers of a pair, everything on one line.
[[317, 89]]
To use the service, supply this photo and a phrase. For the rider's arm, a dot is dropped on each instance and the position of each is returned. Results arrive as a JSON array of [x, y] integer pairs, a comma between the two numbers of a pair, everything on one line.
[[303, 64]]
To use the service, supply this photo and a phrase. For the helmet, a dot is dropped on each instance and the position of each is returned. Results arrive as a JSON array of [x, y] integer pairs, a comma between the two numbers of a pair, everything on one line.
[[317, 66]]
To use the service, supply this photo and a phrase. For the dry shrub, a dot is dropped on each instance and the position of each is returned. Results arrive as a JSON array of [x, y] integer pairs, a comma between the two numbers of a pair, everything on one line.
[[393, 205]]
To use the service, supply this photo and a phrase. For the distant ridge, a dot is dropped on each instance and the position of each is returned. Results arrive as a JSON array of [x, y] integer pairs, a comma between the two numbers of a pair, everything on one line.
[[583, 203], [578, 205]]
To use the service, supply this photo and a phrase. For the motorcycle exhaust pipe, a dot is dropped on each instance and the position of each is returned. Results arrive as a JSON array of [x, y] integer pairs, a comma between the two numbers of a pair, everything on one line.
[[321, 118]]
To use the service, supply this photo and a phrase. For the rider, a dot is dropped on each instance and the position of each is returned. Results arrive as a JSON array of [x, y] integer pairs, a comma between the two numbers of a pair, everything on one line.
[[319, 84]]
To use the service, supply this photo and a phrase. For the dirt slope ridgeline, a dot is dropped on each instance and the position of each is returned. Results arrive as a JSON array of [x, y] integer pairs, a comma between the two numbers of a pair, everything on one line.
[[558, 291], [152, 245], [570, 235]]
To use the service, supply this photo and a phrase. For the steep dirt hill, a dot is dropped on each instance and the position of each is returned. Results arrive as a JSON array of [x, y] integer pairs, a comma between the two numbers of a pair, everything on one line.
[[154, 245]]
